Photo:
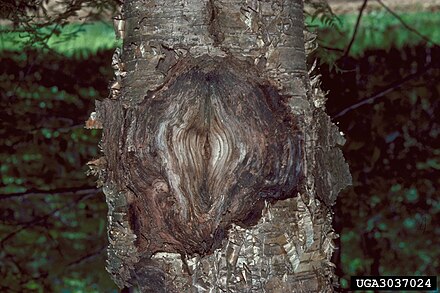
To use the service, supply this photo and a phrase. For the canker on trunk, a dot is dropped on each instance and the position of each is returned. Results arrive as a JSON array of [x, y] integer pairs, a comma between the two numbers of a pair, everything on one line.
[[201, 153]]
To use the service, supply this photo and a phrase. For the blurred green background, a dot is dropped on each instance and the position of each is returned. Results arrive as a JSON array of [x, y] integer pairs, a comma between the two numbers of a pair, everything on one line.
[[383, 94]]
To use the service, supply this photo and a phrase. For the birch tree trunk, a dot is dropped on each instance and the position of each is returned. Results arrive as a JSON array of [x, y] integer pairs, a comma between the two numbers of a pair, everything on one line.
[[220, 166]]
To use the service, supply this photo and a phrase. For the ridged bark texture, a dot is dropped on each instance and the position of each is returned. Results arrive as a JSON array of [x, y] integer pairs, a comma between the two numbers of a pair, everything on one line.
[[220, 166]]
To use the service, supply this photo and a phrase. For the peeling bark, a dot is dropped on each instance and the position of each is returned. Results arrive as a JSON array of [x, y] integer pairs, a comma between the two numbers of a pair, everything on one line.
[[220, 163]]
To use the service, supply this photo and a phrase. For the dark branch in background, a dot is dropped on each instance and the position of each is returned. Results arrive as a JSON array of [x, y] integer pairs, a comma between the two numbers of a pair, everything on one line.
[[406, 25], [60, 129], [87, 257], [358, 21], [383, 92], [393, 85], [58, 191], [8, 289], [44, 217], [331, 48]]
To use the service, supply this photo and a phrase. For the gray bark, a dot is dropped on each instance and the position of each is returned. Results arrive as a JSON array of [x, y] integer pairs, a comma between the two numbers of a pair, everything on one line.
[[220, 166]]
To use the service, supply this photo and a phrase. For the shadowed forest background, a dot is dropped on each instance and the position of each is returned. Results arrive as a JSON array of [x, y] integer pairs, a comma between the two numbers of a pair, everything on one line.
[[379, 66]]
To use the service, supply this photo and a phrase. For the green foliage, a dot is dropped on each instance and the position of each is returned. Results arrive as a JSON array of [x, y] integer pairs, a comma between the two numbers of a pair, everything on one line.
[[53, 234], [72, 40], [319, 11], [377, 30]]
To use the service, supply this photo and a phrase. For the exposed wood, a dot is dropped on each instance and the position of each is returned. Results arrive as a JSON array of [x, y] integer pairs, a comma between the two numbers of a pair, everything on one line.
[[202, 153]]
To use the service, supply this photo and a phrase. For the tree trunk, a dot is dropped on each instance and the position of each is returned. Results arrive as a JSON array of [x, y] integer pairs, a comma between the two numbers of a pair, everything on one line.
[[220, 166]]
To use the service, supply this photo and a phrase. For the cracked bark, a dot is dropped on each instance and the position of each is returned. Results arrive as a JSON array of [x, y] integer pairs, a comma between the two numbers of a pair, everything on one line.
[[220, 166]]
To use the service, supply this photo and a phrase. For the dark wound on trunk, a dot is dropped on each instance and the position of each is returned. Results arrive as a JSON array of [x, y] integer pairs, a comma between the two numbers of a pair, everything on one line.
[[202, 152]]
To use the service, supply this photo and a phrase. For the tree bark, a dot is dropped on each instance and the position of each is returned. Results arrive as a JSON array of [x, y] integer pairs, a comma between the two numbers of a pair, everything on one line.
[[220, 166]]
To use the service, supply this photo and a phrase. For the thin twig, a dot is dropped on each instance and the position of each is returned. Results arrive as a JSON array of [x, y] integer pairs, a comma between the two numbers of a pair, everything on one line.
[[59, 191], [42, 218], [330, 48], [358, 21], [406, 25], [87, 257], [382, 92]]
